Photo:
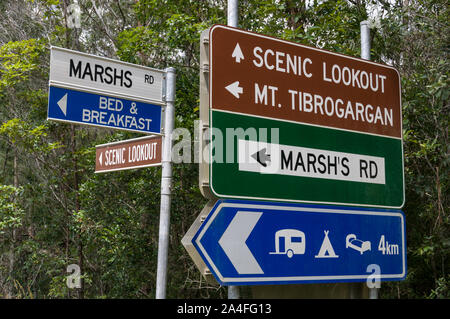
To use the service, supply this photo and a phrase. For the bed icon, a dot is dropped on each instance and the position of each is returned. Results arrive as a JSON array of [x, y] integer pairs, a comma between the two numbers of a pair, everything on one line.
[[352, 242]]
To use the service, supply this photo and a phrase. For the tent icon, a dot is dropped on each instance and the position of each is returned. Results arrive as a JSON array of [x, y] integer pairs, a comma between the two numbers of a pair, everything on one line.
[[326, 250]]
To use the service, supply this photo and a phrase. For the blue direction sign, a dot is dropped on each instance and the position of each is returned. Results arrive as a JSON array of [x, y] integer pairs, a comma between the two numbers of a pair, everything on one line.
[[254, 243], [103, 110]]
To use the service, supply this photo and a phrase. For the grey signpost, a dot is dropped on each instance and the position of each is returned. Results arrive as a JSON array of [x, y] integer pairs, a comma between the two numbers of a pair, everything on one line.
[[365, 40], [93, 90], [232, 19], [166, 184], [365, 54]]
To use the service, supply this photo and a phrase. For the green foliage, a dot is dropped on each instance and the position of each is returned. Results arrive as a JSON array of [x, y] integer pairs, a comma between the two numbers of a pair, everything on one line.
[[18, 59], [11, 214], [419, 33], [29, 138]]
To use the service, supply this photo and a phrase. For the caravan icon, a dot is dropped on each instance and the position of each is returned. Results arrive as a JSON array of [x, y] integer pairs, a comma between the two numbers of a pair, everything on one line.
[[289, 242]]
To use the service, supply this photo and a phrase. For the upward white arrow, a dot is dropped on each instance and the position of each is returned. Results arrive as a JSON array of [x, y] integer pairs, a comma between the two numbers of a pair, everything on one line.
[[237, 53], [233, 242]]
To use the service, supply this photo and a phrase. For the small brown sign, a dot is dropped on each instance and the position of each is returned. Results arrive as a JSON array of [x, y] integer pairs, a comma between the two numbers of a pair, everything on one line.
[[134, 153], [271, 78]]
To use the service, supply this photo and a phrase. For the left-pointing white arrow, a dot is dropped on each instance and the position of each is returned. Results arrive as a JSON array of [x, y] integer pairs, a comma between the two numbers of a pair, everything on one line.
[[100, 158], [63, 104], [233, 242], [235, 89]]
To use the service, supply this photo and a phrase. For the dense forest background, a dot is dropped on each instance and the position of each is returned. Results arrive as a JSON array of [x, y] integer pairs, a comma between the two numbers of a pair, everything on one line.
[[55, 211]]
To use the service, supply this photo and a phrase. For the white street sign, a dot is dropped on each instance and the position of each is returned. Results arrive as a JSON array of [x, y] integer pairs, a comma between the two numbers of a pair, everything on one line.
[[90, 73]]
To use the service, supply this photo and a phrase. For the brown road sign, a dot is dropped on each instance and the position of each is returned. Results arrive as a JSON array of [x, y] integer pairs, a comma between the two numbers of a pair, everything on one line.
[[266, 77], [133, 153], [323, 110]]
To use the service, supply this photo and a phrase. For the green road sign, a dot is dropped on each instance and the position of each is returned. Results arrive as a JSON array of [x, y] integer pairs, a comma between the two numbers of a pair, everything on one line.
[[306, 164], [294, 123]]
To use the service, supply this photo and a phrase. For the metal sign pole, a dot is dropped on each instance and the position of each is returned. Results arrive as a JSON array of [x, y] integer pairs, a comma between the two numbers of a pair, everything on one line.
[[365, 40], [232, 19], [232, 13], [365, 54], [166, 182]]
